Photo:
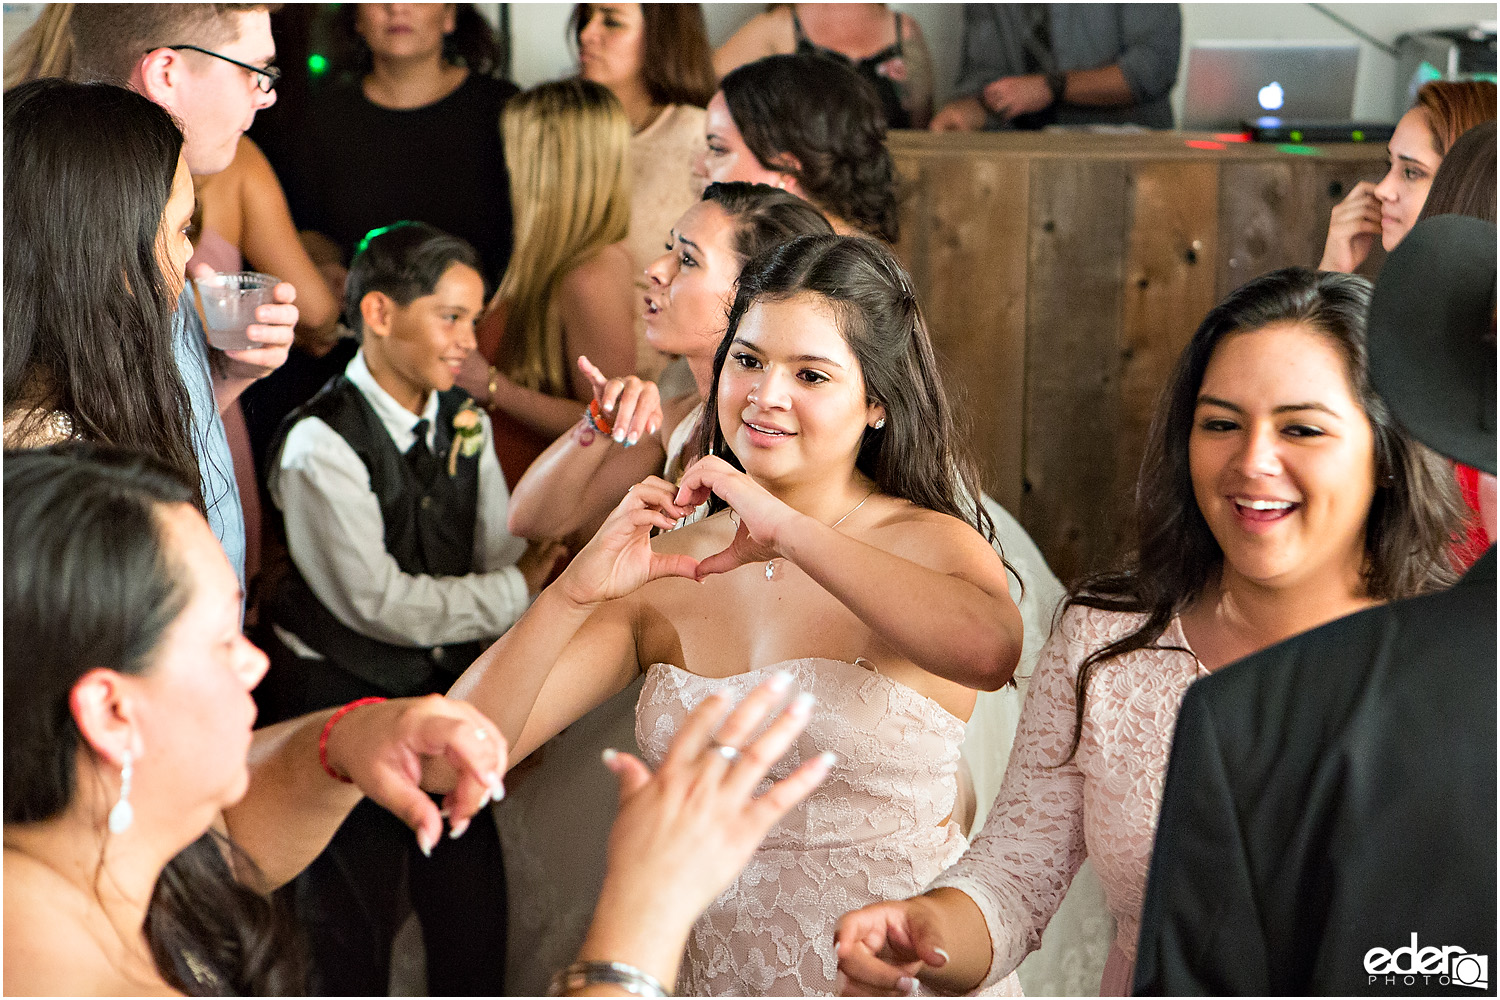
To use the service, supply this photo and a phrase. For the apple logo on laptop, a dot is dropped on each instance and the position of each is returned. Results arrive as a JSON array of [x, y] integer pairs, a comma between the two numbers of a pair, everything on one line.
[[1271, 96]]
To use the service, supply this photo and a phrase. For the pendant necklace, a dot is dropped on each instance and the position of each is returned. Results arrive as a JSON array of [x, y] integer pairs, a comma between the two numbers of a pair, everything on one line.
[[771, 564]]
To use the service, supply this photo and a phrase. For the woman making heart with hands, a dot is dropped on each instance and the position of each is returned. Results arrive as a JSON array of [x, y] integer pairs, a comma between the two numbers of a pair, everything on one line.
[[828, 434]]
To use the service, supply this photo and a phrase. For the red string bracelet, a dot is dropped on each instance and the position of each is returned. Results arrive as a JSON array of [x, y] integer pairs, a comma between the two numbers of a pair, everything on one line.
[[328, 730], [597, 418]]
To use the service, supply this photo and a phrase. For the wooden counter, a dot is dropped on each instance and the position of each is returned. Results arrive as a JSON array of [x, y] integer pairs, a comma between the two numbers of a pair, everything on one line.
[[1061, 274]]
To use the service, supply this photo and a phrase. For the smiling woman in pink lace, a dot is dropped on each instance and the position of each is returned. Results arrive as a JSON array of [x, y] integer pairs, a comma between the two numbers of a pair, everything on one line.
[[1276, 494], [841, 556]]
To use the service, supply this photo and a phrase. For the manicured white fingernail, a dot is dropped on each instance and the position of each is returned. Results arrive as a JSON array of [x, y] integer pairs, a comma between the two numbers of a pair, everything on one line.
[[609, 755], [423, 846], [828, 758], [480, 734], [802, 704], [633, 439], [497, 794], [942, 952], [780, 681], [458, 829], [619, 435], [493, 783], [907, 985]]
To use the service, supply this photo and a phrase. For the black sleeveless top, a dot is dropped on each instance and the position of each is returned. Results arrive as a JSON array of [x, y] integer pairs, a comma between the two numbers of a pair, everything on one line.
[[888, 89]]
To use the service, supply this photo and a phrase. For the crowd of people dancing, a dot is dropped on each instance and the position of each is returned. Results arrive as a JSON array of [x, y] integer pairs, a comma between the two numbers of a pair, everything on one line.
[[586, 557]]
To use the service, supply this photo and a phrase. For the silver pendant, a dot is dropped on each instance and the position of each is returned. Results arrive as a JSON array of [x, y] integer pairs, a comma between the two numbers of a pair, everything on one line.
[[771, 570]]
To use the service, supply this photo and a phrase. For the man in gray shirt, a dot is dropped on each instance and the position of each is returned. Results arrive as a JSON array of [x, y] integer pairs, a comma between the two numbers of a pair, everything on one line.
[[1029, 65]]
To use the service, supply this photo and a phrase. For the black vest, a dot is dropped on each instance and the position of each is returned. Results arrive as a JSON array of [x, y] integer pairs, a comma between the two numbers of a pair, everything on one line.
[[429, 530]]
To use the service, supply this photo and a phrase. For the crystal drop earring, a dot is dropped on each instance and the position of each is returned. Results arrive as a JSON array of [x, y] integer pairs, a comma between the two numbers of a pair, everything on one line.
[[123, 814]]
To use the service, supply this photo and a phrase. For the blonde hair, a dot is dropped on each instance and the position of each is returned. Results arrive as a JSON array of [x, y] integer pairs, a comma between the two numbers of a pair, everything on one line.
[[566, 147], [43, 49]]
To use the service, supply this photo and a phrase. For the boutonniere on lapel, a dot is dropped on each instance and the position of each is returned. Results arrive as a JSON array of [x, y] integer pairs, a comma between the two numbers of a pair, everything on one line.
[[468, 435]]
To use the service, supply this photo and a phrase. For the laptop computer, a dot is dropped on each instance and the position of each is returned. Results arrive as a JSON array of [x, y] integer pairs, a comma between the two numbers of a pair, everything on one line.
[[1229, 83]]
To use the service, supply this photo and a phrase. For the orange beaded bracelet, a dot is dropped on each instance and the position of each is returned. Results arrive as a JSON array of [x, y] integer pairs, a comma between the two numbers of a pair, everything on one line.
[[597, 418]]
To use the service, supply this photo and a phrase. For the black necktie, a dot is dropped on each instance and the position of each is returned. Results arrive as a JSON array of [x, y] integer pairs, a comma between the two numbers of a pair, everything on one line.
[[419, 455]]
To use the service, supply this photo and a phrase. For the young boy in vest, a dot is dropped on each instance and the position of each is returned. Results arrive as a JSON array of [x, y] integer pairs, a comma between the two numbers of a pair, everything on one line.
[[402, 573]]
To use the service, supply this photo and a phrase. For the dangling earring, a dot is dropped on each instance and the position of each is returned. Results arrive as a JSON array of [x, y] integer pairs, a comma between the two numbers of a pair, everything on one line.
[[880, 423], [122, 815]]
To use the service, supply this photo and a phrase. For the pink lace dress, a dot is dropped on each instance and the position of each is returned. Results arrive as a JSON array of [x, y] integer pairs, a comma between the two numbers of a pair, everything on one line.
[[1102, 804], [874, 830]]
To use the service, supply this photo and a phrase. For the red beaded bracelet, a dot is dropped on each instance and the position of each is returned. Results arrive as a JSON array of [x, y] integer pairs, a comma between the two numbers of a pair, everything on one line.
[[328, 729], [597, 418]]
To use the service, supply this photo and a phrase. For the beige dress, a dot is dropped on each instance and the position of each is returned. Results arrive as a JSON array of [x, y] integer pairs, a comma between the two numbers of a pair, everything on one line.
[[875, 829], [661, 189]]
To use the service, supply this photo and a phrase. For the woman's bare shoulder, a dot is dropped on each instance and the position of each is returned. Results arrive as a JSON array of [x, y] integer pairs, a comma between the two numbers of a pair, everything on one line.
[[48, 949], [765, 34], [932, 538], [609, 263]]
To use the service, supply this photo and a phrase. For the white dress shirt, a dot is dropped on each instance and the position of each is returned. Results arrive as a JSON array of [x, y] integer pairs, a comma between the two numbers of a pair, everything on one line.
[[335, 534]]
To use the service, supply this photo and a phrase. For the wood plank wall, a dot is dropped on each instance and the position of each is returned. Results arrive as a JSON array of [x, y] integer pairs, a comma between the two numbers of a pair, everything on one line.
[[1061, 275]]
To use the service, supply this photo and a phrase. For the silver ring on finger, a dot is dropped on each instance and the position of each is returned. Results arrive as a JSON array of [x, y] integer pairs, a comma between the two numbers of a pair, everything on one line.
[[729, 753]]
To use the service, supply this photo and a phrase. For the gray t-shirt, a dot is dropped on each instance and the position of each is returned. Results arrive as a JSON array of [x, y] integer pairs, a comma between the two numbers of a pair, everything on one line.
[[1145, 39], [215, 465]]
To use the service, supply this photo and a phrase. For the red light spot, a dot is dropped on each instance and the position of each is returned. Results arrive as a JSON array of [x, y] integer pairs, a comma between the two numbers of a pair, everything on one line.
[[1204, 144], [1232, 136]]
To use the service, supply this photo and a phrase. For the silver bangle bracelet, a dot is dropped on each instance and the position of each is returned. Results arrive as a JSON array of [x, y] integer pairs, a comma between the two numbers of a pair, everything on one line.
[[581, 975]]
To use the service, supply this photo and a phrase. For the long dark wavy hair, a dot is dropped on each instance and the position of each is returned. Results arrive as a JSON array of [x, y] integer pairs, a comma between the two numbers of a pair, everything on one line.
[[918, 455], [1415, 513], [827, 116], [88, 311], [90, 583]]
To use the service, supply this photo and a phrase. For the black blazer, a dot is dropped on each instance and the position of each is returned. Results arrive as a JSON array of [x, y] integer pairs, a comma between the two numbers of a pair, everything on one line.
[[1330, 803]]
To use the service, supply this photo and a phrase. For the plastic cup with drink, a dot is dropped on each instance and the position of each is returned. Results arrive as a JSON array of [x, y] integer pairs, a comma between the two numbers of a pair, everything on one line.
[[229, 301]]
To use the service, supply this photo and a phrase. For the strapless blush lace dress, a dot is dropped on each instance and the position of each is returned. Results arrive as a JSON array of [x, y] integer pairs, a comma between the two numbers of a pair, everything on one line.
[[877, 828]]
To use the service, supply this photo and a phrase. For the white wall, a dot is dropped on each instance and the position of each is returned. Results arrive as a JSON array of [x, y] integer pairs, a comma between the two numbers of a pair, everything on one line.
[[540, 48]]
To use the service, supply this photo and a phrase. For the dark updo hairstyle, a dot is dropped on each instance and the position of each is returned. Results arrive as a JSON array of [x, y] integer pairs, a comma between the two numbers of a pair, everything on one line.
[[917, 455], [1465, 181], [88, 312], [765, 216], [90, 583], [1415, 513], [677, 63], [830, 119], [404, 260]]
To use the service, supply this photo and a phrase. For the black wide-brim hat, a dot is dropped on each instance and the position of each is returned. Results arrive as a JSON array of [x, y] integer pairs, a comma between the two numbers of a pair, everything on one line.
[[1432, 337]]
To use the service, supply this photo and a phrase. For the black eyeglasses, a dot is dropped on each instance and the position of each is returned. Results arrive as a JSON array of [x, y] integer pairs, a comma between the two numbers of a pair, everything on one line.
[[265, 76]]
